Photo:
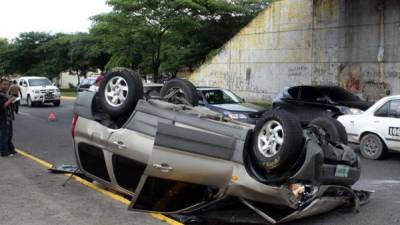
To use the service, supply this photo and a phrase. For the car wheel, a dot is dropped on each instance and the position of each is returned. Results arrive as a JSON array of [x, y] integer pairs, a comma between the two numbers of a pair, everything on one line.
[[277, 141], [332, 128], [56, 103], [120, 91], [179, 91], [372, 146], [29, 101]]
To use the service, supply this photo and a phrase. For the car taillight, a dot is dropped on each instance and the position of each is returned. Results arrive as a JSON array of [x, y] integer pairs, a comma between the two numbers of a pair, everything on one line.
[[73, 125]]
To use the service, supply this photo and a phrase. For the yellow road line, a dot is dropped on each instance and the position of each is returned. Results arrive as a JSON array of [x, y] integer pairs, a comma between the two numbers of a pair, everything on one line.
[[165, 219], [110, 194], [33, 158], [68, 97]]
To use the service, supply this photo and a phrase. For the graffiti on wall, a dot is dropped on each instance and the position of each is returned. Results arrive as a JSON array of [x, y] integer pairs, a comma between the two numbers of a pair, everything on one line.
[[297, 71], [350, 77], [371, 89]]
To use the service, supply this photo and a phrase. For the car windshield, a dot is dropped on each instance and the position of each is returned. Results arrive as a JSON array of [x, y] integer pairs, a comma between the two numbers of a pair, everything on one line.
[[88, 81], [337, 94], [39, 82], [220, 96]]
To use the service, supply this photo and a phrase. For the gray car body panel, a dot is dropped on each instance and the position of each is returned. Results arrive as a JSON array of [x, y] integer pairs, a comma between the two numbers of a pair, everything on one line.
[[83, 104]]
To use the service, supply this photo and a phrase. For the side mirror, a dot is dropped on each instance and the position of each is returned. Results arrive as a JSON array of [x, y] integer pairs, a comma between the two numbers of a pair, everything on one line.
[[24, 85], [243, 100]]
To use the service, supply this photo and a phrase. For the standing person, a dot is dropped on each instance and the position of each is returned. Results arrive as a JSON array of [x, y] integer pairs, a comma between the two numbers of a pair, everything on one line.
[[15, 90], [6, 146]]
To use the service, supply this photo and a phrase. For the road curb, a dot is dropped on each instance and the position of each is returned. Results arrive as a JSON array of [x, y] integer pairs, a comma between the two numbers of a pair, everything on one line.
[[112, 195]]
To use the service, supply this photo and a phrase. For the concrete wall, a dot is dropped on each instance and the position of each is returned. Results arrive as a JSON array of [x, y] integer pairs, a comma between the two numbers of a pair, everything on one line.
[[351, 43]]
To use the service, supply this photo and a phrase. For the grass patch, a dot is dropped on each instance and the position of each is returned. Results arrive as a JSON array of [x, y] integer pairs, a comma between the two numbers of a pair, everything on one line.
[[68, 93], [67, 90], [266, 105]]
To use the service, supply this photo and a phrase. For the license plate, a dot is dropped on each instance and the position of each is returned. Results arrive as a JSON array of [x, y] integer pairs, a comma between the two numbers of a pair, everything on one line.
[[342, 171], [49, 95]]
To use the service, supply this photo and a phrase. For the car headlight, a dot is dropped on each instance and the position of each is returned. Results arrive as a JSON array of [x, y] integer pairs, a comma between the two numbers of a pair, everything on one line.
[[355, 111], [236, 116], [351, 111]]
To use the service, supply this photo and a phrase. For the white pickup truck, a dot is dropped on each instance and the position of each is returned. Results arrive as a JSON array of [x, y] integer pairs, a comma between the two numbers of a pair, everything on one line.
[[377, 129], [38, 90]]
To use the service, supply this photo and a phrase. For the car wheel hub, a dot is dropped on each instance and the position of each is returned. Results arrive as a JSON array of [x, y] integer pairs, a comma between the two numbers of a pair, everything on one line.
[[270, 139], [371, 147], [176, 95], [116, 91]]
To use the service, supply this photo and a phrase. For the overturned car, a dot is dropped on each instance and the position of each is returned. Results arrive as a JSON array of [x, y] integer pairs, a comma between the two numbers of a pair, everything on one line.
[[177, 158]]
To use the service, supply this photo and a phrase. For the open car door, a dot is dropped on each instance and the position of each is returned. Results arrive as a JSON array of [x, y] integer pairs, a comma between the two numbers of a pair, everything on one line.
[[187, 168]]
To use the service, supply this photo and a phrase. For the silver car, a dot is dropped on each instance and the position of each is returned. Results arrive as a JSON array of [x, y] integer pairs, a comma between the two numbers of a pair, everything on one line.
[[175, 157]]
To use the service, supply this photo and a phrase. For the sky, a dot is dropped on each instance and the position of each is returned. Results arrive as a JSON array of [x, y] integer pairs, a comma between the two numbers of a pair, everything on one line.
[[67, 16]]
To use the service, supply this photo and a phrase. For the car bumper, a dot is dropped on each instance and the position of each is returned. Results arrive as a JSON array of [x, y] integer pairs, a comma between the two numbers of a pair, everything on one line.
[[45, 99]]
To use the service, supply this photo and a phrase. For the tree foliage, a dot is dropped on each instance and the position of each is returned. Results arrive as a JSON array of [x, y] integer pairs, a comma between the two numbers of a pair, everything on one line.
[[151, 36]]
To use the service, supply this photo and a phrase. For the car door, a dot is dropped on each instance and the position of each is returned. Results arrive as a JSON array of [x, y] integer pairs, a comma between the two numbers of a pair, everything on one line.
[[387, 122], [24, 88], [188, 167], [131, 146]]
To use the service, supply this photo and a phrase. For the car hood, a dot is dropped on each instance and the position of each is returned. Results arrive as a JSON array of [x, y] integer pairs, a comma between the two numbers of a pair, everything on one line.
[[43, 87], [242, 107], [356, 104]]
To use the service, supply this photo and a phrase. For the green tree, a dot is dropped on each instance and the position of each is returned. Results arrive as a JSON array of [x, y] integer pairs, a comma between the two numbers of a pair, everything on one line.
[[165, 35], [86, 53]]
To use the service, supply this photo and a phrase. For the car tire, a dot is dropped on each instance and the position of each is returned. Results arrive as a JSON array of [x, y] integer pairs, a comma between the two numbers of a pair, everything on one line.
[[120, 91], [185, 92], [334, 130], [29, 102], [372, 146], [277, 141], [57, 103]]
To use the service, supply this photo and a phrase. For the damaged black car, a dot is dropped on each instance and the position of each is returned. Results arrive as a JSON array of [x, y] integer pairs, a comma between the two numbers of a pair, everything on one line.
[[311, 102]]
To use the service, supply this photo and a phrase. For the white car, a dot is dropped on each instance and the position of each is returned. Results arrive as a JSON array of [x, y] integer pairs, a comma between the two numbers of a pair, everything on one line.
[[38, 90], [377, 129]]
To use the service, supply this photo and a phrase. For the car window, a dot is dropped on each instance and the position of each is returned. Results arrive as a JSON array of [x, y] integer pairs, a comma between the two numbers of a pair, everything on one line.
[[394, 109], [39, 82], [383, 110], [200, 96], [88, 82], [219, 96], [294, 92]]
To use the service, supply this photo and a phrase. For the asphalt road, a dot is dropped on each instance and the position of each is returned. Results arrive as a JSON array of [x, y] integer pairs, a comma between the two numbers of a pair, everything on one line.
[[51, 141]]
